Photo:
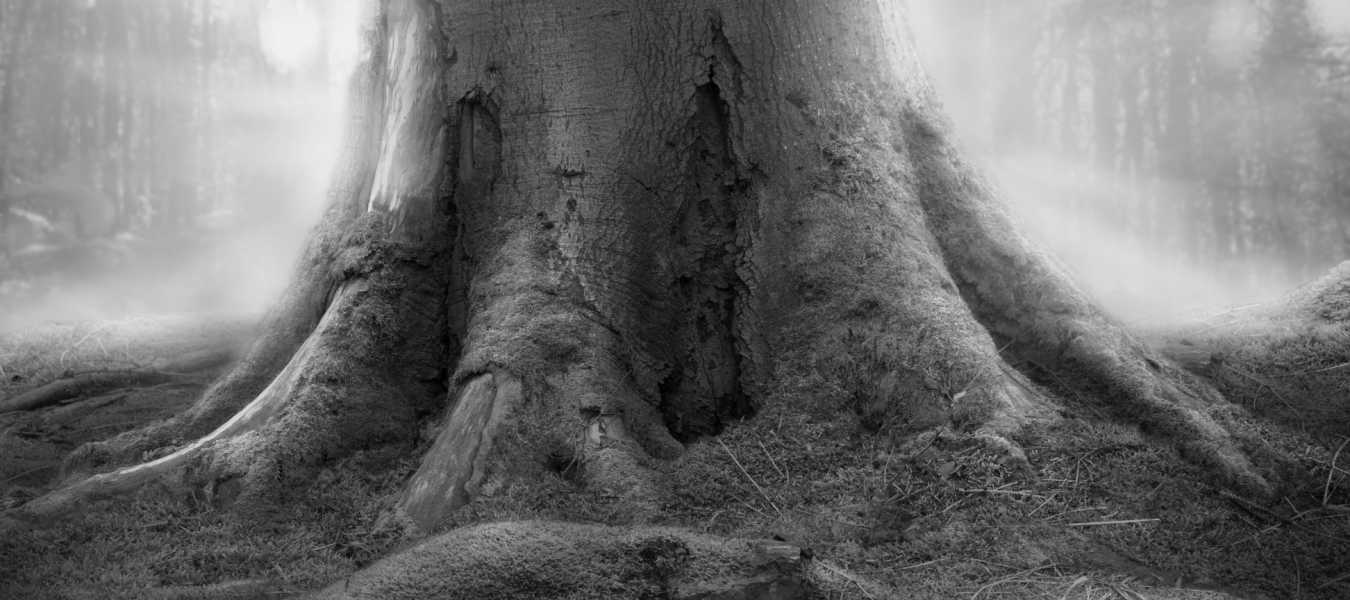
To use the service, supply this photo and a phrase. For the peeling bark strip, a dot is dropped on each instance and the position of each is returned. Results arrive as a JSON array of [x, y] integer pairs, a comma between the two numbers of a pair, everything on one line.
[[476, 155], [455, 465], [409, 169]]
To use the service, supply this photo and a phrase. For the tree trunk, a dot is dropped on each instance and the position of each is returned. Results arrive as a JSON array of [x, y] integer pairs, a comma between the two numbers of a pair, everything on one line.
[[604, 230]]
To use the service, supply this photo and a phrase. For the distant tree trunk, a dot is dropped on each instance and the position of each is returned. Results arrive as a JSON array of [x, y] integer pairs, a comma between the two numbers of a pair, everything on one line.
[[12, 28], [593, 231], [1177, 146], [1140, 212]]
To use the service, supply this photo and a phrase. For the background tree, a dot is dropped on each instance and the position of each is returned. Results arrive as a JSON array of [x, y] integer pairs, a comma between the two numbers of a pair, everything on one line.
[[1211, 127], [152, 142]]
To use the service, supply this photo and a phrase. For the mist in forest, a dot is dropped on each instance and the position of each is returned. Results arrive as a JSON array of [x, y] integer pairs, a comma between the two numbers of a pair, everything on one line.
[[1177, 157], [164, 156]]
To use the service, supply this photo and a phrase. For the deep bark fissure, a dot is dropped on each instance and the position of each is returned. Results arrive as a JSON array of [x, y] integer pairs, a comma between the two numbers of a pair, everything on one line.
[[480, 400], [704, 390], [473, 163]]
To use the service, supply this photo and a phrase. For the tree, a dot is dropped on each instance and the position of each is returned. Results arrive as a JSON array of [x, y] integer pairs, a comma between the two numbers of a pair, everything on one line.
[[602, 229]]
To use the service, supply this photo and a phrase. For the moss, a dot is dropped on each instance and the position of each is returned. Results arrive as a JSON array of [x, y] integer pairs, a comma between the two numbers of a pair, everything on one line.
[[938, 516], [1285, 361], [540, 559]]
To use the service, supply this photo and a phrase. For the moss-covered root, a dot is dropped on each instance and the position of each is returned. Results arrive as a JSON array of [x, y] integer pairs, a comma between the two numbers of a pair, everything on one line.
[[1042, 319], [579, 424], [362, 378], [281, 333], [540, 559], [1288, 361]]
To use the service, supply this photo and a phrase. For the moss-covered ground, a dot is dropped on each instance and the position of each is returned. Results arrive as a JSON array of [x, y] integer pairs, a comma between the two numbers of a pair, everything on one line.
[[1102, 511]]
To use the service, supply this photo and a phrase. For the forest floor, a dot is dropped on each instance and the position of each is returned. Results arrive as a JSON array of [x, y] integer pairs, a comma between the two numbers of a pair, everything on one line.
[[1103, 512]]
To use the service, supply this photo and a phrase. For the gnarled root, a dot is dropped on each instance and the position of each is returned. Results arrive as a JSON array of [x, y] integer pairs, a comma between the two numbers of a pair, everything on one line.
[[543, 559], [361, 378], [1039, 317], [283, 331], [579, 425]]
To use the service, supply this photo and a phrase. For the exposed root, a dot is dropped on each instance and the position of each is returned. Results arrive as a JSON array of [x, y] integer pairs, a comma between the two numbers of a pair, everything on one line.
[[93, 383], [319, 274], [1285, 361], [70, 498], [84, 385], [1034, 310], [614, 464], [283, 333], [455, 467], [497, 434], [349, 385], [540, 559]]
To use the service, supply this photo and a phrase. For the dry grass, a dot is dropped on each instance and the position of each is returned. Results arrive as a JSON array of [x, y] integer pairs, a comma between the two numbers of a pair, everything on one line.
[[165, 547], [34, 356], [1105, 513], [1288, 361]]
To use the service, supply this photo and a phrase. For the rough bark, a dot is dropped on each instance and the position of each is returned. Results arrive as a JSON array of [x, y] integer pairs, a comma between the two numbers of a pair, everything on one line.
[[600, 229]]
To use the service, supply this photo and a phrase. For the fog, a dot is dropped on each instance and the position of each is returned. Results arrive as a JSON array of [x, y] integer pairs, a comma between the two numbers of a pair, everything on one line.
[[1176, 158], [213, 143]]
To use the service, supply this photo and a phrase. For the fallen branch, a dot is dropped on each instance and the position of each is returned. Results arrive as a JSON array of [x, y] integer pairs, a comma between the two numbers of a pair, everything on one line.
[[1334, 580], [752, 479], [1331, 472], [1120, 522]]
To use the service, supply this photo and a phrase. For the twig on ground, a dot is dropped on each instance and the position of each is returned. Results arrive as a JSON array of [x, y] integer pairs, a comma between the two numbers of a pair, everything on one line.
[[773, 462], [23, 473], [922, 564], [1018, 577], [847, 577], [747, 476], [1019, 493], [1253, 508], [1331, 472], [62, 359], [1082, 580], [1123, 593], [1334, 580], [1258, 510], [1262, 383], [1115, 522], [1315, 371]]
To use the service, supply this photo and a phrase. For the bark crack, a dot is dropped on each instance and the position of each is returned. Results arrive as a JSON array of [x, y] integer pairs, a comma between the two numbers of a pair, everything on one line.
[[704, 388]]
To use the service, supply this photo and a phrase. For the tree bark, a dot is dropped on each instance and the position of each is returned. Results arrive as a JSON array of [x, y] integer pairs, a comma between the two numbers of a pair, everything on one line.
[[603, 230]]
